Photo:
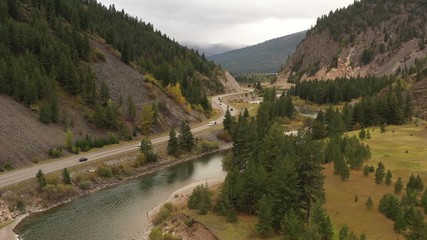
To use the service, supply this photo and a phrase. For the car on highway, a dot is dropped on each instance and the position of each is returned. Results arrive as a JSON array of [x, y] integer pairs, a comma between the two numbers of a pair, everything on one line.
[[83, 159]]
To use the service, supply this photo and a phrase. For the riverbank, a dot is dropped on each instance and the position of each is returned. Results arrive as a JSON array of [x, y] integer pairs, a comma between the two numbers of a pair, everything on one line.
[[179, 199], [106, 183]]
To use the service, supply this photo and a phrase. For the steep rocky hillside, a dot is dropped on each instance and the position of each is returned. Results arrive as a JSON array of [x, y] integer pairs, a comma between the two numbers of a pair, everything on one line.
[[266, 57], [366, 38], [81, 66], [25, 139]]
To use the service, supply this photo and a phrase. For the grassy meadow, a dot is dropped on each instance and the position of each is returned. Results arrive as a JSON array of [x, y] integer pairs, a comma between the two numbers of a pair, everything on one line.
[[403, 150]]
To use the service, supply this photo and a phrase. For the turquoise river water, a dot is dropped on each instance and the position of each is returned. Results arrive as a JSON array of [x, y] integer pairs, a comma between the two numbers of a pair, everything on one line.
[[119, 212]]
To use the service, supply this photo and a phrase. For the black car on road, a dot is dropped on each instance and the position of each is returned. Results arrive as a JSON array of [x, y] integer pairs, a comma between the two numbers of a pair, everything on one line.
[[82, 159]]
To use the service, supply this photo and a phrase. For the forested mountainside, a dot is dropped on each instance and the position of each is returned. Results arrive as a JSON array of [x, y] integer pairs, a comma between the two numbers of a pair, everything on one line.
[[369, 37], [266, 57], [78, 65]]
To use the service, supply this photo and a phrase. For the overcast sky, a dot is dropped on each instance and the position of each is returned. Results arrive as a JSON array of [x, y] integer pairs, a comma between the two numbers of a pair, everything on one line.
[[228, 21]]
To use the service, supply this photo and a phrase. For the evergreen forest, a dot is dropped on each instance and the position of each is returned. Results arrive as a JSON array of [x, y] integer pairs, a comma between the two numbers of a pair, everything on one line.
[[45, 49]]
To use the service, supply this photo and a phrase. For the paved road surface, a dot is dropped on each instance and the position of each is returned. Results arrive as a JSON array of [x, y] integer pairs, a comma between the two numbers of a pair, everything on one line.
[[19, 175]]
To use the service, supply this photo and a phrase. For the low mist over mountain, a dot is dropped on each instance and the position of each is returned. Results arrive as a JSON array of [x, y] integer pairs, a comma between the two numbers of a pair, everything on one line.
[[261, 58], [213, 49]]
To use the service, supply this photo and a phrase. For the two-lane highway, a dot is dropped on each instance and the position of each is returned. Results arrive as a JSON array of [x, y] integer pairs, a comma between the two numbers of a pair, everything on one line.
[[19, 175]]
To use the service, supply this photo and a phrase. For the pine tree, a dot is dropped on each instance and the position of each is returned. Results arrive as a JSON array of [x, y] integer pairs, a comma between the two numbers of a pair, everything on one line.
[[53, 109], [200, 199], [344, 234], [254, 180], [66, 178], [30, 92], [69, 139], [398, 186], [292, 226], [411, 185], [408, 107], [424, 201], [419, 185], [44, 116], [310, 172], [265, 218], [321, 219], [185, 138], [284, 182], [131, 110], [147, 149], [362, 134], [271, 147], [388, 177], [345, 173], [368, 134], [104, 94], [173, 146], [379, 173], [228, 121], [41, 179], [366, 170], [147, 119], [230, 192], [369, 204]]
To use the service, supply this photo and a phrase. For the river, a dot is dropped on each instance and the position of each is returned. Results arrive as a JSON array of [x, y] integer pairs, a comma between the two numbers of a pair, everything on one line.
[[119, 212]]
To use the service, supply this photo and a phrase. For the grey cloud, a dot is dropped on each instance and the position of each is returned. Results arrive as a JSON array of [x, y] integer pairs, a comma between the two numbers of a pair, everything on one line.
[[180, 18]]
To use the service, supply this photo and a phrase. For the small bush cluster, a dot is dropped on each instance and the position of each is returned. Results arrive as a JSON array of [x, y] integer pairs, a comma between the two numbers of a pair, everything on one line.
[[163, 214], [104, 171], [206, 146], [200, 199], [88, 143], [55, 152]]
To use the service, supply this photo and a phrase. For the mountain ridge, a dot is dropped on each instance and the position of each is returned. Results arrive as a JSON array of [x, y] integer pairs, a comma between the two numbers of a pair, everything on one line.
[[265, 57]]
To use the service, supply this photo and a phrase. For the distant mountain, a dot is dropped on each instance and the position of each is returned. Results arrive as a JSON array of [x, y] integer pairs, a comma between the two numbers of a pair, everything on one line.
[[213, 49], [261, 58]]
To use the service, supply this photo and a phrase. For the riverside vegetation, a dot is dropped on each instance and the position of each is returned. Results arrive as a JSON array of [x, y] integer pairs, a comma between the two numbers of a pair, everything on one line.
[[281, 179], [47, 190]]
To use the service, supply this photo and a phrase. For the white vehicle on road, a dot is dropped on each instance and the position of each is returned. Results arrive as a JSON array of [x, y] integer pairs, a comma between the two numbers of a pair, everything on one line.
[[211, 123]]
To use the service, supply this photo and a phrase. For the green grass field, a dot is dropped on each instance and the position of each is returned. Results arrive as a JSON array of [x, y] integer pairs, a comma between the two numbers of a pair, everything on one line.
[[402, 149], [390, 148]]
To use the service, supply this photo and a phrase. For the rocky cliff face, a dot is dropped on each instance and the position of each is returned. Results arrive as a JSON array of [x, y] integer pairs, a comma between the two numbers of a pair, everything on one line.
[[366, 38]]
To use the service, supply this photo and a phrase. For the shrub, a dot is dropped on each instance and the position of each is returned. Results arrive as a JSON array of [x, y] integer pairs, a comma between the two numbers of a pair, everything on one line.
[[55, 152], [97, 56], [58, 192], [104, 171], [156, 234], [224, 136], [200, 199], [84, 185], [206, 146], [163, 214]]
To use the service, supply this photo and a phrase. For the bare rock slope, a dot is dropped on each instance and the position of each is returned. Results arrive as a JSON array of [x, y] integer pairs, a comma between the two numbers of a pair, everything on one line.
[[23, 137]]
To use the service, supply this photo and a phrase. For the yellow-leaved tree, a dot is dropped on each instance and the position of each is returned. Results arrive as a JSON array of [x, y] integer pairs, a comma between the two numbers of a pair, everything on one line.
[[175, 93], [146, 119]]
